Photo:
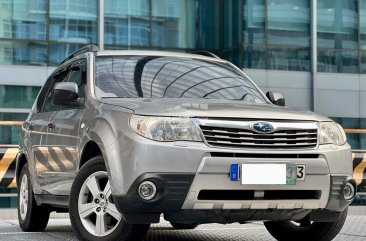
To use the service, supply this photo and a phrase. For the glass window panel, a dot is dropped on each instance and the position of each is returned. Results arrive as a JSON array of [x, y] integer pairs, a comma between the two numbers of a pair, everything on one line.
[[363, 24], [208, 25], [254, 22], [17, 96], [11, 134], [127, 22], [73, 21], [295, 59], [235, 56], [337, 24], [58, 52], [289, 22], [233, 14], [254, 57], [173, 23], [363, 61], [30, 53], [23, 19], [338, 61]]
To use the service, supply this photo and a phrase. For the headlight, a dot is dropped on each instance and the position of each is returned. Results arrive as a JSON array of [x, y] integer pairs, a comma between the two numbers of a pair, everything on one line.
[[165, 128], [332, 133]]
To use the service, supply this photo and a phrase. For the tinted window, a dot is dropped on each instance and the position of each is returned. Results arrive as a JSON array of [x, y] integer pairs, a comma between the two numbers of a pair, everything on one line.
[[48, 106], [78, 76], [171, 77]]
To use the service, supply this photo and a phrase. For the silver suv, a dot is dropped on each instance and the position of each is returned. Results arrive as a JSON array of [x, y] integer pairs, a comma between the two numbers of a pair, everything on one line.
[[117, 138]]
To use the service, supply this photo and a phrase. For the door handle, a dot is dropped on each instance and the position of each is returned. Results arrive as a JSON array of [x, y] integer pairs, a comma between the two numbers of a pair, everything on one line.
[[51, 125]]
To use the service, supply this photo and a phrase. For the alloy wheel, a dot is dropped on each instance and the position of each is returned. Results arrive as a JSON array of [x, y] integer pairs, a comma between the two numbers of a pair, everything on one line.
[[97, 211]]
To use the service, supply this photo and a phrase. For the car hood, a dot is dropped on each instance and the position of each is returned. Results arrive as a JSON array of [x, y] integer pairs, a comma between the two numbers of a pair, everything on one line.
[[211, 108]]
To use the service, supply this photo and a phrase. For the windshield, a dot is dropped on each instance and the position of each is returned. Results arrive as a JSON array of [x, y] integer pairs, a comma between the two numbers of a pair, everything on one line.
[[171, 77]]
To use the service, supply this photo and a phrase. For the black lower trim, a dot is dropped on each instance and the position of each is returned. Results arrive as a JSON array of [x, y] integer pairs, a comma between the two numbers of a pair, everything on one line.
[[233, 216], [321, 215], [55, 201], [172, 190], [249, 195]]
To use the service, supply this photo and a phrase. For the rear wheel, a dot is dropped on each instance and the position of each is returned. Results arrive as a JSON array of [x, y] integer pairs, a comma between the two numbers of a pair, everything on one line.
[[184, 225], [305, 230], [93, 214], [32, 218]]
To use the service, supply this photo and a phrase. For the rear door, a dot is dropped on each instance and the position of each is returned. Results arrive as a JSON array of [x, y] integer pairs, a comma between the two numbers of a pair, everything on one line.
[[38, 138], [63, 131]]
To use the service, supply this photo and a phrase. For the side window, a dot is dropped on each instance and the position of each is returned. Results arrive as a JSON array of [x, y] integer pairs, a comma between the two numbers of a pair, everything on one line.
[[78, 76], [76, 73], [48, 106], [43, 93]]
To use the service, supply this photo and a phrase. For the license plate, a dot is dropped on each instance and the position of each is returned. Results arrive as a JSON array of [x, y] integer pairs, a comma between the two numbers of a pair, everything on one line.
[[267, 174]]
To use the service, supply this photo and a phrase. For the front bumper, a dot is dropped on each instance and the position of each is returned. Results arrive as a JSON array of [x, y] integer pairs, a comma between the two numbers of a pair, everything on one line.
[[182, 170], [173, 195]]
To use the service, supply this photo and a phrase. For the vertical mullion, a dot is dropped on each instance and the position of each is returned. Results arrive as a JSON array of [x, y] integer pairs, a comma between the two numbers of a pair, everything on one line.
[[266, 34], [150, 25], [359, 34], [48, 32], [101, 24], [314, 49]]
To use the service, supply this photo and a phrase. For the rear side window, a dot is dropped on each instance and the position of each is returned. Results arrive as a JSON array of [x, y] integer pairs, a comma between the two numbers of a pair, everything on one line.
[[171, 77]]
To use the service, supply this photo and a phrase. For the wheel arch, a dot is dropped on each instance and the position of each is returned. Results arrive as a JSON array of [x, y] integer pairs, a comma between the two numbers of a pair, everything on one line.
[[21, 161], [90, 150]]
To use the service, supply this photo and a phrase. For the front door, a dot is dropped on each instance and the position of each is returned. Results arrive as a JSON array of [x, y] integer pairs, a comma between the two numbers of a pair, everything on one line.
[[63, 139]]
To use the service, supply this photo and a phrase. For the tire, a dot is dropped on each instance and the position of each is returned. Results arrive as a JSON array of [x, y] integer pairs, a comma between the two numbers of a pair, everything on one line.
[[32, 218], [320, 231], [98, 220], [182, 226]]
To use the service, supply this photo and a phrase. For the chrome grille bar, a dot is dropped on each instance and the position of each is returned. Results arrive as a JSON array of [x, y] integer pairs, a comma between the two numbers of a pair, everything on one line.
[[239, 134]]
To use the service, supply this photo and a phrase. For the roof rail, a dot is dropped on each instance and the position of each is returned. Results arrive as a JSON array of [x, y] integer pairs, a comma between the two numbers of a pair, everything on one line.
[[206, 53], [85, 49]]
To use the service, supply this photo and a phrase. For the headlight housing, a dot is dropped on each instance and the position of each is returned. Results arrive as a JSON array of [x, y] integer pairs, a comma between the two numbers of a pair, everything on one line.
[[165, 128], [332, 133]]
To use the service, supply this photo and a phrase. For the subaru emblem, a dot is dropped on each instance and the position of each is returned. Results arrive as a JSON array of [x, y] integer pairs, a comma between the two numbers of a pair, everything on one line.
[[263, 127]]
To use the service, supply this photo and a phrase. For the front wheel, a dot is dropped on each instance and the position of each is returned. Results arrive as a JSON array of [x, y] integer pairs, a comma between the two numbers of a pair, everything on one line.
[[305, 230], [93, 214]]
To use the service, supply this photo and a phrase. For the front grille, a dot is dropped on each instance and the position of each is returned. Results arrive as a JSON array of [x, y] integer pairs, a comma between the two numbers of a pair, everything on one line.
[[245, 138]]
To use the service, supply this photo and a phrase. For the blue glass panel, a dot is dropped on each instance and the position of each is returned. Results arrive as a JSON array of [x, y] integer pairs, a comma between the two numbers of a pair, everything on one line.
[[23, 19], [338, 61], [23, 52], [11, 134], [59, 51], [289, 22], [337, 24], [127, 22], [173, 23], [254, 22], [296, 59], [255, 57], [73, 21]]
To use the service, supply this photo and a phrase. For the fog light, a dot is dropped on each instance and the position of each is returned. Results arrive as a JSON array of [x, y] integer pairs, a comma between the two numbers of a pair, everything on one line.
[[147, 190], [348, 191]]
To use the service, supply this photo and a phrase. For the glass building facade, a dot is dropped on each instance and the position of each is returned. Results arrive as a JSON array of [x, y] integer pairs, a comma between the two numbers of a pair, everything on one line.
[[258, 34], [297, 36]]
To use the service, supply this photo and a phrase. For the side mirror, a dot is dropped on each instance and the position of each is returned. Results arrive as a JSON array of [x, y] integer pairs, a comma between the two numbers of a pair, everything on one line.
[[276, 98], [64, 93]]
